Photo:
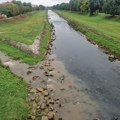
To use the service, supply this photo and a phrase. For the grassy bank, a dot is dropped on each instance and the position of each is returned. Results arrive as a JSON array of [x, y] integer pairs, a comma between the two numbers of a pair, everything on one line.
[[13, 95], [101, 29], [25, 29]]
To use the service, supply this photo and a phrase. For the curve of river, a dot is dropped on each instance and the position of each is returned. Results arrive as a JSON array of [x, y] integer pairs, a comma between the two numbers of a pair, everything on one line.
[[90, 64]]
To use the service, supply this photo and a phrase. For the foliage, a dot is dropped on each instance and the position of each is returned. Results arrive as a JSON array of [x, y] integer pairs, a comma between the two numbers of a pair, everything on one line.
[[92, 6], [17, 7]]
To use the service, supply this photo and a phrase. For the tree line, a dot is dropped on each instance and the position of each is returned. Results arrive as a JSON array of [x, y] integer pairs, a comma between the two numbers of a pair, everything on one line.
[[17, 7], [92, 6]]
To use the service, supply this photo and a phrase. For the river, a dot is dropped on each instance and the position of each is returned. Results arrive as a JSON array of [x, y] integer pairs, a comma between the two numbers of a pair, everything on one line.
[[90, 65]]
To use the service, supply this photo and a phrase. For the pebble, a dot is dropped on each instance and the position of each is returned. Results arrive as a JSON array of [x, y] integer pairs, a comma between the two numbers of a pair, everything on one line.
[[33, 90], [29, 72], [43, 106], [51, 115], [44, 118], [33, 117], [40, 89], [45, 93], [35, 77]]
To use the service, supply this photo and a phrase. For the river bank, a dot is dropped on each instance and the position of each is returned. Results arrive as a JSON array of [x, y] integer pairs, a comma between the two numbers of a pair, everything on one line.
[[97, 30]]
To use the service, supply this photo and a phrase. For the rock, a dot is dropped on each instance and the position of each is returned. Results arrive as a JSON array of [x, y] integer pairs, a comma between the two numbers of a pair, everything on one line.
[[32, 98], [33, 90], [47, 64], [60, 105], [50, 101], [62, 77], [44, 118], [30, 117], [43, 106], [29, 72], [33, 117], [51, 115], [112, 58], [35, 77], [50, 69], [41, 67], [44, 87], [37, 99], [40, 89], [45, 93]]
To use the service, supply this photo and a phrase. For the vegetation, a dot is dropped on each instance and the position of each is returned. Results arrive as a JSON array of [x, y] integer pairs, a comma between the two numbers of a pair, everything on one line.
[[98, 28], [92, 6], [13, 95], [17, 7], [25, 29]]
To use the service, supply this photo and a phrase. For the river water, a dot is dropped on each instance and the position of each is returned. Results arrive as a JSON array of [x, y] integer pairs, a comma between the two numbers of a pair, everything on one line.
[[90, 64]]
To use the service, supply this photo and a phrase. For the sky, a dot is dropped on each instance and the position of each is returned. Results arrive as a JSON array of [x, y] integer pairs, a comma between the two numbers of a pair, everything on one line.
[[42, 2]]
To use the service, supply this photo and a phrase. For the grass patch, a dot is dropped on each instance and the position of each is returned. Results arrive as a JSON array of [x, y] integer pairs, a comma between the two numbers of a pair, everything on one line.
[[24, 29], [33, 24], [13, 95], [105, 32]]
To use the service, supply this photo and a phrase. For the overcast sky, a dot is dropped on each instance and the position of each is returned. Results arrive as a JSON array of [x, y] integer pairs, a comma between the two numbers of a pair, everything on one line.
[[43, 2]]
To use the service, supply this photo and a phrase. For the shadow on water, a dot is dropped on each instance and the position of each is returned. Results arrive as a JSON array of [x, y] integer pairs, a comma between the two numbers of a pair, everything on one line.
[[89, 63]]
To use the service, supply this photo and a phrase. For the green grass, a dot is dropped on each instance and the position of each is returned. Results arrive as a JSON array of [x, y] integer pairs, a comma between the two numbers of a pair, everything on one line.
[[101, 28], [30, 27], [13, 95], [24, 29]]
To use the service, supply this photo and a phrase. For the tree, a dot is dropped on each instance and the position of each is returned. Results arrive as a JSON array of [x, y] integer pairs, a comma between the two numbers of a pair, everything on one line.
[[110, 7], [84, 8], [41, 7]]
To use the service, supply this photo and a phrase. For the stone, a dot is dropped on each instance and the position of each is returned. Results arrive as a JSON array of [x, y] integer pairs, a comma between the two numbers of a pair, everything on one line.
[[44, 118], [29, 72], [43, 106], [51, 115], [112, 58], [33, 90], [47, 64], [45, 93], [41, 67], [40, 89], [33, 117], [50, 69], [37, 99], [35, 77], [50, 101], [60, 105]]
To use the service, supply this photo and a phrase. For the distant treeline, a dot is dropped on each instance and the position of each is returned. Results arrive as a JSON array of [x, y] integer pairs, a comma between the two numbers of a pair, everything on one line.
[[17, 7], [92, 6]]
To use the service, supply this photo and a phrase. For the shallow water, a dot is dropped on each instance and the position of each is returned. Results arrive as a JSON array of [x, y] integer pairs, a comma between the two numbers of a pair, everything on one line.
[[90, 64]]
